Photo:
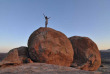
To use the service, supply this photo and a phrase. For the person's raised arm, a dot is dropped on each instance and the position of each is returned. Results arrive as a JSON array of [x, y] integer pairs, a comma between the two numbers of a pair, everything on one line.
[[49, 17], [44, 15]]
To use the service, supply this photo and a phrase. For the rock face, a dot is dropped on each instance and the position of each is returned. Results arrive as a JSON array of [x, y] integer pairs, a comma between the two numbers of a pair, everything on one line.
[[23, 54], [11, 59], [46, 45], [16, 56], [86, 53], [42, 68]]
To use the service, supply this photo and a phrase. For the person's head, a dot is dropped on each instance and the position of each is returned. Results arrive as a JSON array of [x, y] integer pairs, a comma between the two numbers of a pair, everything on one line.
[[46, 17]]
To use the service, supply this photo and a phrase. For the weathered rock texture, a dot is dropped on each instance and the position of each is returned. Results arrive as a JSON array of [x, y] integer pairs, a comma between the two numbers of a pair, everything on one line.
[[50, 46], [16, 56], [23, 54], [86, 53], [42, 68]]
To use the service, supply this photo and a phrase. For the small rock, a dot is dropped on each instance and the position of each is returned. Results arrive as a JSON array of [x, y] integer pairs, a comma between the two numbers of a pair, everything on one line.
[[11, 59], [16, 56], [101, 65]]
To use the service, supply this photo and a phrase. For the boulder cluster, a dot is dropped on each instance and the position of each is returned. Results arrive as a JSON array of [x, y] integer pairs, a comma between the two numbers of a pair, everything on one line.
[[46, 45]]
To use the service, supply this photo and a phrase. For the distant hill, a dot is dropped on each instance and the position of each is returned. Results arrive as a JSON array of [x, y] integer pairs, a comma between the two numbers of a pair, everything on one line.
[[105, 53], [105, 56], [2, 55], [108, 50]]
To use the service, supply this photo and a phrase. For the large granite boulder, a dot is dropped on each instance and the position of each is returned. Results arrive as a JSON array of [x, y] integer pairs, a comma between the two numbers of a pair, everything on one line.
[[47, 45], [86, 53], [16, 56]]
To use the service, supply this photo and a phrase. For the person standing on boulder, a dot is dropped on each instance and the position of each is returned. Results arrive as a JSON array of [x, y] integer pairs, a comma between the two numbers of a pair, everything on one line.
[[46, 20]]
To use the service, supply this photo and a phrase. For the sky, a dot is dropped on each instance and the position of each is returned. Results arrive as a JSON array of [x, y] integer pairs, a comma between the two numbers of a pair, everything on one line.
[[19, 18]]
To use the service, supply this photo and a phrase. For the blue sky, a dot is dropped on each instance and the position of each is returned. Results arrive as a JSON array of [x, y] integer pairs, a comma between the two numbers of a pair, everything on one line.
[[19, 18]]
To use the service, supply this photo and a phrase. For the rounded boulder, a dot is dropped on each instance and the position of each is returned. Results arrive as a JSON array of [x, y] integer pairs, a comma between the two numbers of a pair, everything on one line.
[[86, 53], [46, 45]]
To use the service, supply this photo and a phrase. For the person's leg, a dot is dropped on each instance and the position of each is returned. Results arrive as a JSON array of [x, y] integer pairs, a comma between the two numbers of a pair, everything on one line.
[[46, 24]]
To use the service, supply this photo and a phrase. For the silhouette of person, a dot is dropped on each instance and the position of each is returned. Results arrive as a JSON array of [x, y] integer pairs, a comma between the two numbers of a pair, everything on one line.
[[46, 20]]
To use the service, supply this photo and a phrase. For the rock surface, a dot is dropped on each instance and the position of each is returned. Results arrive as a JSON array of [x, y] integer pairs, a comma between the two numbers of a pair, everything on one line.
[[11, 59], [42, 68], [105, 69], [47, 45], [86, 53], [16, 56], [23, 54]]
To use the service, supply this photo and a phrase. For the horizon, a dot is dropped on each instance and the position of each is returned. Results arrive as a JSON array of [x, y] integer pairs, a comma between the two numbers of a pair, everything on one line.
[[19, 18]]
